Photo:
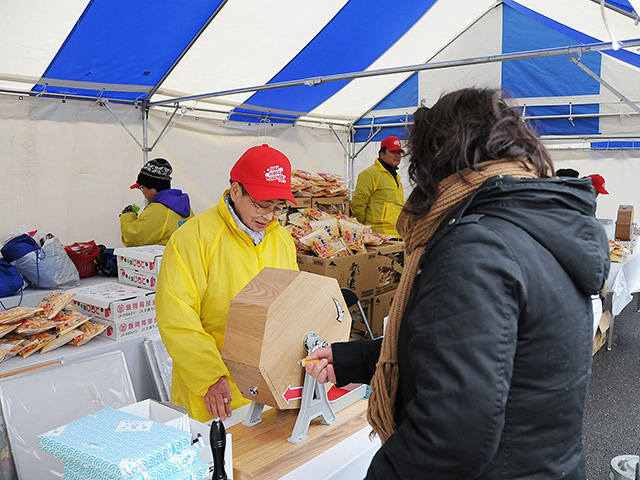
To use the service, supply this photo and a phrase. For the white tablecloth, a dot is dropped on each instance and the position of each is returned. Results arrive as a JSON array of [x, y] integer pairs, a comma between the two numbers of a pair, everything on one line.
[[624, 280]]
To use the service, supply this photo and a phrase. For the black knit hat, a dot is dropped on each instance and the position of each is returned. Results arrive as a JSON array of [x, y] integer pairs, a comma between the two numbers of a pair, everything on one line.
[[156, 174]]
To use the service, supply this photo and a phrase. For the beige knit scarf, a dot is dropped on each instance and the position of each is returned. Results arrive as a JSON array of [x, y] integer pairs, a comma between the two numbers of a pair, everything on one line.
[[417, 232]]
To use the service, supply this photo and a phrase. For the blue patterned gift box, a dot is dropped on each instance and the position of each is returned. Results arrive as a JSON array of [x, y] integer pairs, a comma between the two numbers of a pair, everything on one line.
[[174, 464], [115, 444], [196, 471]]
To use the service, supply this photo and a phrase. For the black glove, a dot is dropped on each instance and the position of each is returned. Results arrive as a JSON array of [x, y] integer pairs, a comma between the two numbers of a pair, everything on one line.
[[127, 209]]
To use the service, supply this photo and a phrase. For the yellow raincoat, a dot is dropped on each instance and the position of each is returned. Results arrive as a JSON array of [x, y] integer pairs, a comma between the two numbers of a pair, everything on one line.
[[377, 199], [205, 264], [154, 226]]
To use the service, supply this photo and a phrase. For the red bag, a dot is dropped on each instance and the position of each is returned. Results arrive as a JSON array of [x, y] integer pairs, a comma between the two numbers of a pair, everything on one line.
[[83, 255]]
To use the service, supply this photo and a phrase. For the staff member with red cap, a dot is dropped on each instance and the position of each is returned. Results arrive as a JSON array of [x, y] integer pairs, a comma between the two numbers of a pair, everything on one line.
[[206, 263], [598, 184], [168, 207], [379, 195]]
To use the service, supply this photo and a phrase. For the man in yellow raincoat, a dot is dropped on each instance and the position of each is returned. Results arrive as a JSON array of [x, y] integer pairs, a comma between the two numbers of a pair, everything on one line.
[[206, 263], [167, 210], [379, 194]]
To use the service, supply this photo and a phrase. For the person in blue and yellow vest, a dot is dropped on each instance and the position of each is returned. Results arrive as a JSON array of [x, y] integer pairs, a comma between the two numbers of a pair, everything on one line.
[[379, 195], [206, 263], [168, 208]]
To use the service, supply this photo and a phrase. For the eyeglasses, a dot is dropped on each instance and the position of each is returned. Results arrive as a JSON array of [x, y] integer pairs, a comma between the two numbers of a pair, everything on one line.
[[277, 210]]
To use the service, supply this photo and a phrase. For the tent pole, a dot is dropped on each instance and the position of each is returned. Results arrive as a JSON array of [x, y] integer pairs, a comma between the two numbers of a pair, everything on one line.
[[105, 103], [588, 71], [313, 81], [145, 135]]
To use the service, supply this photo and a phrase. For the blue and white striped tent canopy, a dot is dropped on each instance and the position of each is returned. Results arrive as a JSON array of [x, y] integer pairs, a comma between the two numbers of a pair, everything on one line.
[[90, 89], [556, 58]]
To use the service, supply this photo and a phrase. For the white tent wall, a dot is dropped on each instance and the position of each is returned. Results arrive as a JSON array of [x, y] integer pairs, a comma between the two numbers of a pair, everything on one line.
[[67, 167], [620, 169], [64, 166]]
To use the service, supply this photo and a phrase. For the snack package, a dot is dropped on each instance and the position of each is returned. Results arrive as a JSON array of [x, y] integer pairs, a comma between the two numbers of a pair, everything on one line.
[[354, 240], [320, 235], [8, 328], [34, 343], [333, 248], [60, 340], [53, 302], [9, 348], [68, 319], [33, 325], [330, 225], [87, 331], [315, 214], [618, 252], [16, 314]]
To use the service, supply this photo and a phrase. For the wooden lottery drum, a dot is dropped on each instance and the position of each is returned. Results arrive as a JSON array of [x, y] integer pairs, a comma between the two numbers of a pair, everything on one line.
[[266, 329]]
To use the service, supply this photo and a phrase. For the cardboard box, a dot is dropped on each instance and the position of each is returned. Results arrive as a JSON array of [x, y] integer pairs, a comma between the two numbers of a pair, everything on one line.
[[357, 272], [158, 412], [142, 259], [127, 327], [356, 316], [380, 308], [601, 333], [114, 301], [624, 222], [301, 202], [138, 278], [342, 203], [389, 262]]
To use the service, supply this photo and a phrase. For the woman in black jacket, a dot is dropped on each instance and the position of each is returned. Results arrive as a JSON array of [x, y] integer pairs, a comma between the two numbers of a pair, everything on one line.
[[484, 367]]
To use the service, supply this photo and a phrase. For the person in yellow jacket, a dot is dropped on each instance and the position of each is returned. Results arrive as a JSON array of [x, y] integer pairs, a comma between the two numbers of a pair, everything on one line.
[[167, 208], [379, 195], [206, 263]]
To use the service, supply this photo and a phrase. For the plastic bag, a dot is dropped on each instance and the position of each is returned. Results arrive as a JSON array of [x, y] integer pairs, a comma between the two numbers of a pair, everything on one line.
[[83, 255], [49, 266]]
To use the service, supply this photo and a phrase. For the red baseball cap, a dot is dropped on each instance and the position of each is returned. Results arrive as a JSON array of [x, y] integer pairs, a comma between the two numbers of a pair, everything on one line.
[[265, 173], [598, 183], [392, 144]]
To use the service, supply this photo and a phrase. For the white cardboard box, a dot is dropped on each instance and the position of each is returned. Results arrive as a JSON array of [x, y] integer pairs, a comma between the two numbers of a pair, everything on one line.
[[142, 259], [137, 278], [114, 301], [127, 327], [158, 412]]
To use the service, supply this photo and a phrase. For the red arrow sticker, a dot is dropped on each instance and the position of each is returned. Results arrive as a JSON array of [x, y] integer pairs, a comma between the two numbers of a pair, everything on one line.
[[290, 394]]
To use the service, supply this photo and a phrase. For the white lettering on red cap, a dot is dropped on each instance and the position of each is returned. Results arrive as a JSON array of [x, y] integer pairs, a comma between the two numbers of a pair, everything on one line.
[[274, 174], [397, 143]]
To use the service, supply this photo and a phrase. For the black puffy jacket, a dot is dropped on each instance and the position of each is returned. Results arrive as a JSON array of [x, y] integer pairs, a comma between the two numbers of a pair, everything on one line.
[[496, 340]]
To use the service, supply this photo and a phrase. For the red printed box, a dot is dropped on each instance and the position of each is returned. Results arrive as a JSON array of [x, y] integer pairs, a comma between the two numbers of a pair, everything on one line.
[[129, 327], [114, 301], [145, 259], [136, 278]]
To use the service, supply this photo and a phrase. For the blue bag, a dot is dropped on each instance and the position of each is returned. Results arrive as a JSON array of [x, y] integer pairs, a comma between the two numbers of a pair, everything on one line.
[[10, 279], [18, 247]]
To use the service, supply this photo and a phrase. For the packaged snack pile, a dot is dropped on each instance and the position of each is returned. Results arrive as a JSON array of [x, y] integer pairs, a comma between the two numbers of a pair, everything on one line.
[[325, 233], [49, 325], [306, 184], [617, 252]]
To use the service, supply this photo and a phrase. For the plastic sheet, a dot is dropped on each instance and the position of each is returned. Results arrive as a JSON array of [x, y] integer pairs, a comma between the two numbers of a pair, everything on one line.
[[161, 364], [38, 401]]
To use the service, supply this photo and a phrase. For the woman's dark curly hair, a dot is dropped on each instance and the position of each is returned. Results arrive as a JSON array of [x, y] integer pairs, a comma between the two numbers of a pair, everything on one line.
[[465, 128]]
